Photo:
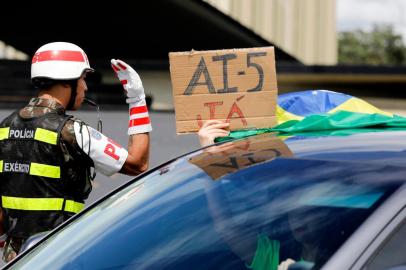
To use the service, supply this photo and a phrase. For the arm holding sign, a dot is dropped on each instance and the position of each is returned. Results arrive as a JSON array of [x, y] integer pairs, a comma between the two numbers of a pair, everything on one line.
[[212, 129]]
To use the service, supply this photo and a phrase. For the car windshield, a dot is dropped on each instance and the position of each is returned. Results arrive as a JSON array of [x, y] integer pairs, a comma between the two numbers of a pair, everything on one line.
[[180, 217]]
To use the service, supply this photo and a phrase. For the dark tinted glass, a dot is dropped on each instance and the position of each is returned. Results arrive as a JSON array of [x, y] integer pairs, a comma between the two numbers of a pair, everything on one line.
[[180, 218]]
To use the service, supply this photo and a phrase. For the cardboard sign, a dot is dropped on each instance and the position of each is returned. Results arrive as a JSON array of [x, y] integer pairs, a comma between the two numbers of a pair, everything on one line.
[[223, 159], [238, 86]]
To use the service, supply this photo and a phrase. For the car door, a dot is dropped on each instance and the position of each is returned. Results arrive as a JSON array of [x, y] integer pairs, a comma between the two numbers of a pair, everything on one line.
[[369, 247], [388, 250], [391, 253]]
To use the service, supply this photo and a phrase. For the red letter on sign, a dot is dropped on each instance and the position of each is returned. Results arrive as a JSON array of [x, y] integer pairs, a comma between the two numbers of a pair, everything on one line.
[[212, 107], [111, 151], [236, 110]]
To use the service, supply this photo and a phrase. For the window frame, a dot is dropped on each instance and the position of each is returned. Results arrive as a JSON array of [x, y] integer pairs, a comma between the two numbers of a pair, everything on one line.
[[355, 253]]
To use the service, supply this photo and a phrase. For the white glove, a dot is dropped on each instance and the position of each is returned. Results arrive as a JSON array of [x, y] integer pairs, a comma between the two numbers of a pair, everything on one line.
[[130, 80], [132, 84]]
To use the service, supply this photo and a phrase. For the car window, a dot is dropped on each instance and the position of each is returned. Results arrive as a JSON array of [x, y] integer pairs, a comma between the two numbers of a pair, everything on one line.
[[178, 217], [392, 253]]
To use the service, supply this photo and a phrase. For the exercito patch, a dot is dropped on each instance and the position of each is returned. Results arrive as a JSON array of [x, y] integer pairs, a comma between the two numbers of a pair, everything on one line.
[[16, 167]]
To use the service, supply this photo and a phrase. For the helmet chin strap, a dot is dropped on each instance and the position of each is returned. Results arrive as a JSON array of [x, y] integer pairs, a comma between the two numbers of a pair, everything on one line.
[[73, 94]]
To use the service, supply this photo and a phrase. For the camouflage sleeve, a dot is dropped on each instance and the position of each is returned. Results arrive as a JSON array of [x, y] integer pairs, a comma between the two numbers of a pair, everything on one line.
[[70, 146]]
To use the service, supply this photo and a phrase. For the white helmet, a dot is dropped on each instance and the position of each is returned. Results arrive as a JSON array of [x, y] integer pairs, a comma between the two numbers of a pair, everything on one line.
[[59, 61]]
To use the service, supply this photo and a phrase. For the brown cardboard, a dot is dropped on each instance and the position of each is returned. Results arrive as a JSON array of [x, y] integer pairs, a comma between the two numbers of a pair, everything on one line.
[[219, 85], [260, 122], [223, 159]]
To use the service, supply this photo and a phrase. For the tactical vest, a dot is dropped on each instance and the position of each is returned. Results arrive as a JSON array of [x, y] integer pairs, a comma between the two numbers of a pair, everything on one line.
[[39, 188]]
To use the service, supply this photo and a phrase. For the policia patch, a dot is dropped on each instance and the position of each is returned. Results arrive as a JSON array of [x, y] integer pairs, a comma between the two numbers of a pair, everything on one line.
[[38, 134], [21, 133]]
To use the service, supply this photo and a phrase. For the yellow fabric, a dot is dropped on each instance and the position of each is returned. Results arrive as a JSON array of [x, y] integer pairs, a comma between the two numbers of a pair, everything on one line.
[[283, 116], [45, 170], [73, 206], [32, 204], [40, 204], [351, 105], [46, 136], [1, 165], [359, 106], [4, 133]]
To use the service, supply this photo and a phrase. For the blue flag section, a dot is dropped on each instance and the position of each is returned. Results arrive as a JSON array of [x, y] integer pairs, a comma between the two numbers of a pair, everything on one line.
[[323, 110], [298, 105]]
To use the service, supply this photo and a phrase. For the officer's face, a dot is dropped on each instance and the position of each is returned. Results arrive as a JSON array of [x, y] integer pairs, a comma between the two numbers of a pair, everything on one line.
[[80, 92]]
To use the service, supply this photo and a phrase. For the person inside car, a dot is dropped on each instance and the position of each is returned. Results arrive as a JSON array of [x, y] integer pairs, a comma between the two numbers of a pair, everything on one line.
[[257, 249]]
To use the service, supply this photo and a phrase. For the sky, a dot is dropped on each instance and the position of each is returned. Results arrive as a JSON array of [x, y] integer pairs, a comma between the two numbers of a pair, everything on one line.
[[363, 14]]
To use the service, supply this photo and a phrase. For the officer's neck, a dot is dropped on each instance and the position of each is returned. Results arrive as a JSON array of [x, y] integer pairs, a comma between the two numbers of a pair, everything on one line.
[[59, 93]]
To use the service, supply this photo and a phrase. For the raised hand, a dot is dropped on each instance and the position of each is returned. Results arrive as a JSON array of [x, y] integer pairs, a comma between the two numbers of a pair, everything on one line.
[[139, 121], [130, 80]]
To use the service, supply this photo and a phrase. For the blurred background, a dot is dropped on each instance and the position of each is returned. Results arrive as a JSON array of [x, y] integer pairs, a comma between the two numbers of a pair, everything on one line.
[[352, 46]]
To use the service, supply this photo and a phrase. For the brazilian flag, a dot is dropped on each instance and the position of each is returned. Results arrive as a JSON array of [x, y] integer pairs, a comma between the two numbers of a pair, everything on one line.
[[323, 110]]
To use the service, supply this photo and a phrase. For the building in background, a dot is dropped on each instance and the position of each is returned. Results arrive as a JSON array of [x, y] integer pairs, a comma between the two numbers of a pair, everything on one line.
[[304, 29], [144, 33], [9, 52], [303, 32]]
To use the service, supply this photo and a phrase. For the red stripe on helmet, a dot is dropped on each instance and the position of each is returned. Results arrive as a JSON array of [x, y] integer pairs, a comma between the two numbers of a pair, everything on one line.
[[140, 109], [61, 55], [139, 122], [124, 82]]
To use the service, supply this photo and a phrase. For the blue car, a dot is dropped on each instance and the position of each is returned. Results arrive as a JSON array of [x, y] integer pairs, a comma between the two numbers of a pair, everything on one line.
[[317, 200]]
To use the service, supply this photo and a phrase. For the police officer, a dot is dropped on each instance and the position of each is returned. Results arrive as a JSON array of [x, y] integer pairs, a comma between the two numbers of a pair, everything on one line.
[[46, 155]]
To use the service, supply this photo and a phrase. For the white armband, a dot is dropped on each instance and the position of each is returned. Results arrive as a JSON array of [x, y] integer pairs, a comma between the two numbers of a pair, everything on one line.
[[108, 156], [139, 118]]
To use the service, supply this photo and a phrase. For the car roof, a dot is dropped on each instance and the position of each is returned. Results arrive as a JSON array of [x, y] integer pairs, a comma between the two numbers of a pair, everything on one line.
[[383, 145], [363, 145], [377, 147], [279, 154]]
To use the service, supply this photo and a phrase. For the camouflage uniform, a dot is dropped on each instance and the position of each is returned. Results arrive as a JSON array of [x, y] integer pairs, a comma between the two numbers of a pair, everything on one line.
[[39, 107]]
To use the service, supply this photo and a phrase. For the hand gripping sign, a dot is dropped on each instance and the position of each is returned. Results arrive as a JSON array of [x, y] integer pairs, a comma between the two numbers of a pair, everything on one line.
[[237, 86]]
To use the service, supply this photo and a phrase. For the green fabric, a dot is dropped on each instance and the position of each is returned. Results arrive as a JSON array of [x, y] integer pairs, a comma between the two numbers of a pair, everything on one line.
[[341, 132], [266, 255], [238, 134], [339, 120]]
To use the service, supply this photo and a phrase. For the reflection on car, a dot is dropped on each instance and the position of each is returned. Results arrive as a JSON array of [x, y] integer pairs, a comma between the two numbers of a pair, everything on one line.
[[262, 202]]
